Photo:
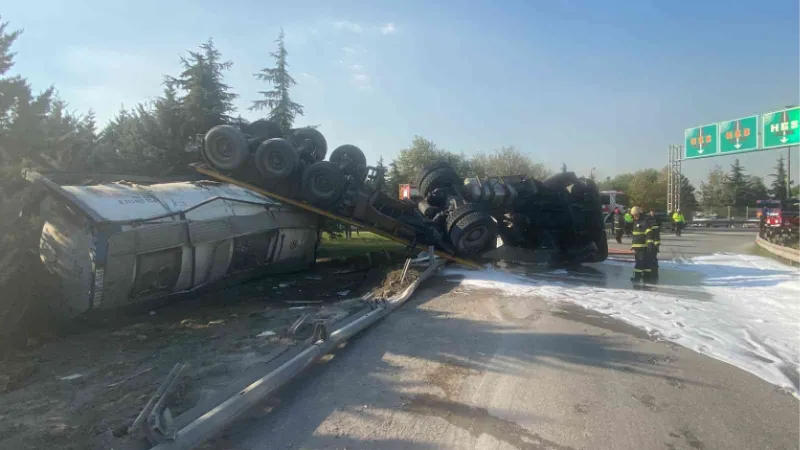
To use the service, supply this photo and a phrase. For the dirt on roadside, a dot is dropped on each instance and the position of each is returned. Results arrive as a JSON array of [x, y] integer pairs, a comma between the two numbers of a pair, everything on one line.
[[83, 390]]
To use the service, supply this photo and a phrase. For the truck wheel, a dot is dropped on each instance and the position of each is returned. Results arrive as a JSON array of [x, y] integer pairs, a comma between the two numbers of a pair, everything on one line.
[[473, 234], [225, 147], [350, 152], [276, 159], [561, 180], [263, 129], [319, 146], [323, 183], [430, 168], [444, 177]]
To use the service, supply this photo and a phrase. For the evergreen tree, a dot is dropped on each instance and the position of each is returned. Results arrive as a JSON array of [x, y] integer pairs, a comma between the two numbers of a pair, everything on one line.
[[688, 199], [89, 125], [381, 172], [282, 110], [778, 190], [563, 167], [395, 179], [713, 190], [756, 190], [736, 185], [22, 115], [206, 101]]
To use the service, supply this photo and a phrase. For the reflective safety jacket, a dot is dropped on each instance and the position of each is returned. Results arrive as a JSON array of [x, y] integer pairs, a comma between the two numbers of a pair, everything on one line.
[[655, 227], [678, 218], [642, 234], [628, 217]]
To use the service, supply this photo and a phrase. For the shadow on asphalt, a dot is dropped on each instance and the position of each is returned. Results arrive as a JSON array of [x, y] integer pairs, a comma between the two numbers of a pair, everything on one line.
[[459, 347]]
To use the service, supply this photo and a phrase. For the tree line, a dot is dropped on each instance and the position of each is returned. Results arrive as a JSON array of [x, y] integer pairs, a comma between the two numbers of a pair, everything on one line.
[[37, 129]]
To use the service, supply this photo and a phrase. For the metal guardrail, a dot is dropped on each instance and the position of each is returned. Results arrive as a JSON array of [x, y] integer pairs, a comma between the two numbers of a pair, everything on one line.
[[788, 253], [204, 427], [722, 222]]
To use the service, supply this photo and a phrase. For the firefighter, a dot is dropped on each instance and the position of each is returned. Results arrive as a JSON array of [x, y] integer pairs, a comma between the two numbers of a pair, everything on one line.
[[679, 221], [642, 245], [628, 223], [619, 225], [655, 227]]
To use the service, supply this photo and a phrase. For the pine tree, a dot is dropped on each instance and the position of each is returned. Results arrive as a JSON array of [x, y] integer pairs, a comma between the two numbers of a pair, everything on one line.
[[563, 167], [736, 185], [381, 172], [778, 190], [89, 125], [22, 113], [282, 110], [206, 101]]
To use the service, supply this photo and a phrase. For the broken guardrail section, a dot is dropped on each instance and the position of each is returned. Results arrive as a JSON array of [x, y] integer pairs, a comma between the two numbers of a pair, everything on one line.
[[186, 434]]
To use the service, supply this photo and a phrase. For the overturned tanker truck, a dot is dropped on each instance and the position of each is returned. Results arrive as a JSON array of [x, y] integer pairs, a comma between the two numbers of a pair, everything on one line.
[[558, 220]]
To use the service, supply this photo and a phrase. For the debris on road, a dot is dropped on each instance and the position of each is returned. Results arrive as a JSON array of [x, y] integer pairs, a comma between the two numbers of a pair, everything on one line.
[[112, 364]]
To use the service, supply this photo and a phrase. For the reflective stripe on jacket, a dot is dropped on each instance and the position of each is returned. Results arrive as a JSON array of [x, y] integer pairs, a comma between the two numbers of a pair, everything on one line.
[[655, 226], [642, 234]]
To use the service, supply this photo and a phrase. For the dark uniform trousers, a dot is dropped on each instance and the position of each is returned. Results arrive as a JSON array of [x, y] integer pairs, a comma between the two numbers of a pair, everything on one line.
[[655, 227], [643, 246], [619, 227]]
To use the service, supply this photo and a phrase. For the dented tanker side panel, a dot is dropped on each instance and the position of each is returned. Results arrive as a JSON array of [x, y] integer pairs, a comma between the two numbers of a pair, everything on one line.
[[216, 231]]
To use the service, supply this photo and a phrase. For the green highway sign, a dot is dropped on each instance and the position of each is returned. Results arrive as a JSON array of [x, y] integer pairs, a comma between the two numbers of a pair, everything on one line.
[[700, 142], [780, 128], [740, 135]]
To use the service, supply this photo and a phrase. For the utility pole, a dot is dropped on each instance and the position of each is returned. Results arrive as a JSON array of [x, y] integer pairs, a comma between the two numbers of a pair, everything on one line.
[[789, 172], [674, 178]]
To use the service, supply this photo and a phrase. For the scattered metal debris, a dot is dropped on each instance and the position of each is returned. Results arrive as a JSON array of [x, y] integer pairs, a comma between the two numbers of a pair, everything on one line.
[[130, 377]]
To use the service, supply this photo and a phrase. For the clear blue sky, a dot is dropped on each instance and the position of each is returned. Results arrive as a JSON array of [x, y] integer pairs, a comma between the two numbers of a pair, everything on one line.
[[607, 85]]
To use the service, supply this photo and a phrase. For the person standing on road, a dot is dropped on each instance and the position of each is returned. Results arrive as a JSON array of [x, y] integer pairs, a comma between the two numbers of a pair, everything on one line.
[[628, 223], [679, 221], [655, 227], [619, 225], [643, 246]]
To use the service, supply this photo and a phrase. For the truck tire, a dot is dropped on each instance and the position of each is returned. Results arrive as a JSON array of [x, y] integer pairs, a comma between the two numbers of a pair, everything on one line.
[[263, 129], [430, 168], [358, 167], [276, 159], [348, 151], [561, 180], [319, 146], [323, 184], [473, 234], [443, 177], [225, 147]]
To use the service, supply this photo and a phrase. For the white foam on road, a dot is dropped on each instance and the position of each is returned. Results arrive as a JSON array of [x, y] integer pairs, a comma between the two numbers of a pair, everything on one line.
[[745, 312]]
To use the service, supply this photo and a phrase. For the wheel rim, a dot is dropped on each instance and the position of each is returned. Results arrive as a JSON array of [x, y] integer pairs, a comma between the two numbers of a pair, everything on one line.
[[474, 239], [322, 185], [222, 149], [276, 161]]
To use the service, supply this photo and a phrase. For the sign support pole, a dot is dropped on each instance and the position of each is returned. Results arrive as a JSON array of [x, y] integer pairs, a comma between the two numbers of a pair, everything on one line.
[[789, 172], [674, 178]]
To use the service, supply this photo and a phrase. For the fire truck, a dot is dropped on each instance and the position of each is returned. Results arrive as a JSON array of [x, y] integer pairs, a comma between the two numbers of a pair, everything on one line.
[[408, 192], [610, 200]]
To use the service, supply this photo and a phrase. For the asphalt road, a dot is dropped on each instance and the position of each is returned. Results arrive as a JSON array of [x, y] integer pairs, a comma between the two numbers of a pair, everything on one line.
[[477, 369], [697, 241]]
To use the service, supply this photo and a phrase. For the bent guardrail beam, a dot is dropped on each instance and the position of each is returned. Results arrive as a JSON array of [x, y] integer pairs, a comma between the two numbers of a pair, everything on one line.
[[784, 252], [215, 420]]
